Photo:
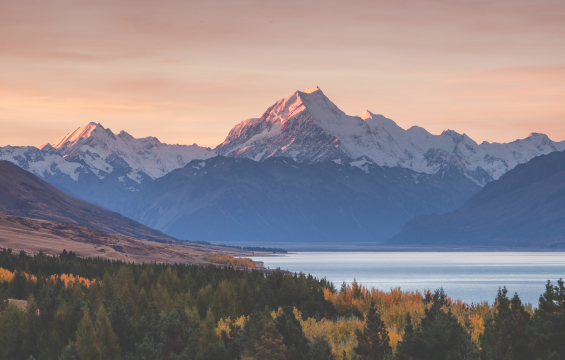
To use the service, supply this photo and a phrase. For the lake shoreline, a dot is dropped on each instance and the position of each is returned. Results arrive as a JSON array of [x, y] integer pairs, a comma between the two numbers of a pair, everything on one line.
[[377, 247], [469, 276]]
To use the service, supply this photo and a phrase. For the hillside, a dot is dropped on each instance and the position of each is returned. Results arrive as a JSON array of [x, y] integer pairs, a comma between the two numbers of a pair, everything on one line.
[[227, 199], [24, 194], [100, 166], [524, 208], [33, 235]]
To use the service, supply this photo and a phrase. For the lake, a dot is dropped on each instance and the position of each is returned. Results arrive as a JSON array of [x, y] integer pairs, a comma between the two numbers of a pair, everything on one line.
[[469, 276]]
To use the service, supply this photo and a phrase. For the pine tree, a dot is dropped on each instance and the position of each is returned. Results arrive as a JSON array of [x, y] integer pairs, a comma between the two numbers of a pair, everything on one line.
[[122, 327], [209, 325], [86, 339], [293, 336], [246, 303], [287, 294], [107, 288], [439, 335], [373, 341], [71, 353], [146, 350], [203, 300], [224, 300], [106, 339], [505, 336], [30, 327], [271, 346], [321, 350], [548, 328]]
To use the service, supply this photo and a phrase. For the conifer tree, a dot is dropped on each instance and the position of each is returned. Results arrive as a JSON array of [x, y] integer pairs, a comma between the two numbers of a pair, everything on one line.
[[271, 346], [209, 336], [86, 339], [71, 353], [30, 327], [146, 350], [245, 298], [203, 301], [57, 336], [107, 288], [122, 327], [293, 337], [321, 350], [439, 335], [224, 301], [548, 328], [106, 339], [505, 336], [373, 341]]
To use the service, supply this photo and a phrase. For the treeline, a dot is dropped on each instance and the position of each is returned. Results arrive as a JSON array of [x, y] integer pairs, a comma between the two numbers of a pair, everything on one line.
[[161, 311], [154, 311], [265, 249], [247, 248]]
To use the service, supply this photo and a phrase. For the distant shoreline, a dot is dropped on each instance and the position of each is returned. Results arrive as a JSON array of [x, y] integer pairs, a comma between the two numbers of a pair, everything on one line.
[[372, 247]]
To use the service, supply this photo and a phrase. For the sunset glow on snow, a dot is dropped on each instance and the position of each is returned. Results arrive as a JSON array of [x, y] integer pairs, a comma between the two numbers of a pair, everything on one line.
[[187, 72]]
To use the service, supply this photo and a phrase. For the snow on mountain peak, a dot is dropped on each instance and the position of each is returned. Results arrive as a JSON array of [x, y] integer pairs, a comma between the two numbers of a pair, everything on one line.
[[311, 90], [535, 135], [72, 138], [308, 127], [125, 136], [102, 152], [366, 115]]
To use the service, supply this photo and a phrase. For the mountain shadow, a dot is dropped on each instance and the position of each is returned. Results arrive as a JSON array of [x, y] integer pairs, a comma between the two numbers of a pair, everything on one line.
[[24, 194], [524, 208], [230, 199]]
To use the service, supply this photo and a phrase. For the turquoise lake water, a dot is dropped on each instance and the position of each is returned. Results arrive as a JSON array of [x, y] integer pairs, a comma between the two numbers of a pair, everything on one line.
[[469, 276]]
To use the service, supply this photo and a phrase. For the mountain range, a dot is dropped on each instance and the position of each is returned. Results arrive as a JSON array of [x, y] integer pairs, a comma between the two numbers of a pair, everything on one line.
[[288, 181], [524, 208], [308, 127], [101, 167], [231, 199]]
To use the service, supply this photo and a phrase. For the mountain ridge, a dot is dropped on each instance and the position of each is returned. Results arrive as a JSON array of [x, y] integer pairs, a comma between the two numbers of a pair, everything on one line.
[[106, 168], [24, 194], [99, 166], [524, 208], [231, 199], [308, 127]]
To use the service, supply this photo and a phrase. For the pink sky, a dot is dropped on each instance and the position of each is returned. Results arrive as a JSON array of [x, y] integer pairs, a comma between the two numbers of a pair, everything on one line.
[[188, 71]]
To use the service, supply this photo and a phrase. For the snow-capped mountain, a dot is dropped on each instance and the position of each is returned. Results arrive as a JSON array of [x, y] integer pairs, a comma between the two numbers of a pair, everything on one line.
[[100, 166], [308, 127], [101, 151]]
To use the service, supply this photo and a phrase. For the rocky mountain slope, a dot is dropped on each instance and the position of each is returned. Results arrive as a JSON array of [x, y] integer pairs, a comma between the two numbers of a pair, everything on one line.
[[308, 127], [24, 194], [439, 172], [96, 165], [524, 208], [278, 199]]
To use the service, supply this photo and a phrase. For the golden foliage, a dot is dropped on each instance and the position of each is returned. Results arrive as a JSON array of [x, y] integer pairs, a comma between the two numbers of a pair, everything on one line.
[[394, 305], [226, 259], [227, 325], [70, 278], [7, 275], [340, 333]]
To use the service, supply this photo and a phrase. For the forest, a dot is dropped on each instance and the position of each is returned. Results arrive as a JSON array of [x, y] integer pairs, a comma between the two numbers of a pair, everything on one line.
[[95, 309]]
